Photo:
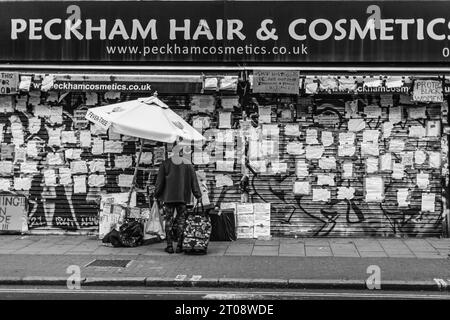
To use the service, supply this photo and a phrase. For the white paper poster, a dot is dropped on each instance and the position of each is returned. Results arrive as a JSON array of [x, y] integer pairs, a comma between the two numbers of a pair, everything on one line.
[[435, 159], [85, 138], [91, 98], [65, 176], [346, 138], [428, 202], [417, 132], [433, 128], [54, 158], [79, 184], [420, 157], [273, 81], [402, 197], [301, 169], [345, 193], [356, 125], [123, 162], [295, 148], [398, 170], [28, 167], [416, 113], [244, 208], [97, 146], [34, 125], [372, 111], [351, 109], [203, 103], [321, 195], [407, 158], [278, 167], [374, 189], [369, 149], [72, 154], [224, 120], [22, 183], [6, 167], [54, 137], [223, 180], [112, 135], [125, 180], [372, 164], [95, 180], [113, 146], [327, 138], [346, 150], [347, 170], [396, 145], [97, 165], [5, 184], [49, 177], [292, 130], [302, 188], [311, 136], [314, 152], [225, 165], [78, 166], [423, 180], [387, 129], [270, 130], [386, 162], [396, 114], [326, 179], [327, 163]]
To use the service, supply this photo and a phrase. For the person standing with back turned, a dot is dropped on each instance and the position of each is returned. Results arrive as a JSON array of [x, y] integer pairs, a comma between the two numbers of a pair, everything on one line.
[[175, 184]]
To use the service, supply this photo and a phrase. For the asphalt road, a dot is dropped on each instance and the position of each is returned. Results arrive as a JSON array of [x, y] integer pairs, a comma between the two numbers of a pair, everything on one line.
[[205, 294]]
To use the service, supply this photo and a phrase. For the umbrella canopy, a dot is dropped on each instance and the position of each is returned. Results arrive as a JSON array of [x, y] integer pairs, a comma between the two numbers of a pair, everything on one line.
[[147, 118]]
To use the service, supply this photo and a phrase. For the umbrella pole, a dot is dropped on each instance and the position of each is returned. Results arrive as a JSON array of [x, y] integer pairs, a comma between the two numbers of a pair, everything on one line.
[[135, 173]]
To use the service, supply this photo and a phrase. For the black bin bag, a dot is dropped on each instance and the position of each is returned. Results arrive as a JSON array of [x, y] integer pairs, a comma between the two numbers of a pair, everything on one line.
[[223, 226]]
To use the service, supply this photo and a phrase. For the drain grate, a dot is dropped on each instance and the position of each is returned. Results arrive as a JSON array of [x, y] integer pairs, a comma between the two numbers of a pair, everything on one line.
[[109, 263]]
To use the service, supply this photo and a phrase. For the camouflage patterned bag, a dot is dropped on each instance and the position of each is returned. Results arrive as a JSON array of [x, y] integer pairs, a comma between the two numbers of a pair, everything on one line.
[[197, 232]]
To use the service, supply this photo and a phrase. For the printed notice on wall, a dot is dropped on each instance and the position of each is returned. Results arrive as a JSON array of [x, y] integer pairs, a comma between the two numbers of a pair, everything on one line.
[[276, 81], [428, 91], [13, 213], [402, 197], [321, 195], [346, 193], [428, 202], [374, 189]]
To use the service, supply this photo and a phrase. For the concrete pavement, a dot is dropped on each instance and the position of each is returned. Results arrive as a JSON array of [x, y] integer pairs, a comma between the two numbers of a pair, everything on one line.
[[405, 264]]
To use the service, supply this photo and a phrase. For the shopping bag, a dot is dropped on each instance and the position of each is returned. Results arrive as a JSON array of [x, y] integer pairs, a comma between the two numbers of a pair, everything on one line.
[[155, 224]]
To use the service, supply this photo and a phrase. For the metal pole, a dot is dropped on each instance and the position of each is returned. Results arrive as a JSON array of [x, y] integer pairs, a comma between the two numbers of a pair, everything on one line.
[[135, 173]]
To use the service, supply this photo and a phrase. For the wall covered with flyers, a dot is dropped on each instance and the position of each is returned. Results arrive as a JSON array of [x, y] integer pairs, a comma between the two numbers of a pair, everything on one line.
[[327, 162]]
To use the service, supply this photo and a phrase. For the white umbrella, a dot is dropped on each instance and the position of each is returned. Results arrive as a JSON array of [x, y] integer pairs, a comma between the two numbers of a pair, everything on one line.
[[145, 118]]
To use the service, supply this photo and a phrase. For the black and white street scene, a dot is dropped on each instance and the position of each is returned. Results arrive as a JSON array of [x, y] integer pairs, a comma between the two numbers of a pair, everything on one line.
[[223, 156]]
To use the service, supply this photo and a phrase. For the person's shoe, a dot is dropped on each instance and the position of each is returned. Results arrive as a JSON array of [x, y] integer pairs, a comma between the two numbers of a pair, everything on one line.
[[179, 250], [169, 250]]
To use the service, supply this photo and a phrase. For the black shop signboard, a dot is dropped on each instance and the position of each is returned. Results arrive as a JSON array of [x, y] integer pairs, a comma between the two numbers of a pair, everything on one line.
[[218, 32]]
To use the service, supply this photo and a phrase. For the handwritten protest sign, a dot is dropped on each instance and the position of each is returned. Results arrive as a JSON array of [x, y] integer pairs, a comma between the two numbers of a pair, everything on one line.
[[428, 91]]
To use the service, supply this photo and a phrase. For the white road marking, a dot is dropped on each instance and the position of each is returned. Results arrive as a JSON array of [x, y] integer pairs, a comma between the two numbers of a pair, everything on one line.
[[213, 294]]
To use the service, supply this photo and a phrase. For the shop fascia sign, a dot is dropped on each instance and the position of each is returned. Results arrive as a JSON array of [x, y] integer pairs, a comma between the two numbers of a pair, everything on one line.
[[74, 27], [167, 31]]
